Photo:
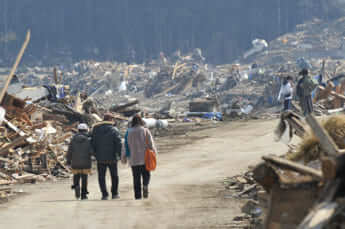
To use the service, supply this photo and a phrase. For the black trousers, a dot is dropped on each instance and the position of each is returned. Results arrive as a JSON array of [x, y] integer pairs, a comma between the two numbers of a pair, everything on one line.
[[287, 104], [102, 169], [139, 172], [76, 182], [306, 103]]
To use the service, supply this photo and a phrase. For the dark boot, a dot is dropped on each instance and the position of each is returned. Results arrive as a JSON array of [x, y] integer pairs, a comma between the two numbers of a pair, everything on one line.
[[115, 196], [84, 191], [76, 187], [145, 192], [77, 191]]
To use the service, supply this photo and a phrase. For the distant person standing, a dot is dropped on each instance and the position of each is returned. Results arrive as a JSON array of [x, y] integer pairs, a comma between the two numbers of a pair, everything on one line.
[[107, 144], [79, 157], [137, 139], [286, 93], [304, 89]]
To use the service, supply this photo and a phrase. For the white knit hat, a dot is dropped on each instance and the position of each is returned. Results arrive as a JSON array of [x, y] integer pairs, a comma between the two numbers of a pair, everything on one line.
[[83, 126]]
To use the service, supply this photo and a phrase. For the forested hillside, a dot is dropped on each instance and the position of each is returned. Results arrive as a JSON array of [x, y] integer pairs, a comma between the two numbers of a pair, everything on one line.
[[137, 30]]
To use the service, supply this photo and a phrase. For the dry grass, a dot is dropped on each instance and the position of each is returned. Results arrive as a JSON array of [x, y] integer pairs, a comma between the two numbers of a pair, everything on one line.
[[310, 148]]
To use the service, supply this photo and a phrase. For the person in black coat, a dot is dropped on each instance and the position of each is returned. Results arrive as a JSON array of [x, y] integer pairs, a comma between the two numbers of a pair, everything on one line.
[[107, 144], [304, 89], [79, 158]]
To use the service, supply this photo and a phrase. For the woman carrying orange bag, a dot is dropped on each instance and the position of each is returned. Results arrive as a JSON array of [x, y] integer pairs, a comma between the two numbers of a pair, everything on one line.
[[138, 139]]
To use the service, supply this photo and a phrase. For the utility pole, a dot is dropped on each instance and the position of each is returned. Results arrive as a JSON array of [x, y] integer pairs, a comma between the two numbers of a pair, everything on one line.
[[5, 27]]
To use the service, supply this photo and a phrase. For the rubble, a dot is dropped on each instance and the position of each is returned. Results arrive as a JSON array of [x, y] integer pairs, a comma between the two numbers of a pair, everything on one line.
[[180, 93], [34, 138], [245, 188], [306, 195], [154, 84], [252, 81]]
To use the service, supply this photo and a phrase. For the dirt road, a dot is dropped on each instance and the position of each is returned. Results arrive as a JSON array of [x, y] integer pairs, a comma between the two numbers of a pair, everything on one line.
[[185, 189]]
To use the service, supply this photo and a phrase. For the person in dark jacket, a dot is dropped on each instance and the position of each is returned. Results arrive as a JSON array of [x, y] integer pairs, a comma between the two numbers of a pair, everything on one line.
[[79, 157], [304, 89], [107, 144]]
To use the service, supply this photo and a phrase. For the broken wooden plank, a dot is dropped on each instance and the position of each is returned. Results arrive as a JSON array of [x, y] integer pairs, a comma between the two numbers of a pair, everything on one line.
[[55, 76], [14, 68], [294, 166], [325, 140], [248, 189], [297, 125], [333, 93], [5, 176], [63, 138], [93, 94], [5, 182], [120, 107], [5, 189], [17, 142], [14, 128], [57, 160], [337, 110], [54, 117], [77, 104], [4, 159]]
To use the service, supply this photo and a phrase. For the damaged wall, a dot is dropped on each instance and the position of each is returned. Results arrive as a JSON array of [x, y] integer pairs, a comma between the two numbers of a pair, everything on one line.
[[136, 30]]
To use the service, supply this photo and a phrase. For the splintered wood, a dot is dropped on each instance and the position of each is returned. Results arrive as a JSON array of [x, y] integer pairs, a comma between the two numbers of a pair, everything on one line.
[[33, 148]]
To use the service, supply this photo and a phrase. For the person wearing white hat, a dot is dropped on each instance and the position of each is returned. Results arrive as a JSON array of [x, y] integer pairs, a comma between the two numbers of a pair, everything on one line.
[[79, 158]]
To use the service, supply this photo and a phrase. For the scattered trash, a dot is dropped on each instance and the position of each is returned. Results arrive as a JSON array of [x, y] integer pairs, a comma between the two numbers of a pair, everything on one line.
[[258, 46]]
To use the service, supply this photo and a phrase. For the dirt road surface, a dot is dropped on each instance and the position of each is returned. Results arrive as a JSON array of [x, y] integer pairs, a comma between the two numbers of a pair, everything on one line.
[[185, 189]]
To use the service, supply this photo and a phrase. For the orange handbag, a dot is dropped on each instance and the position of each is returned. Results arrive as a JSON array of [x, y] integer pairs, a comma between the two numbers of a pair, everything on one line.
[[150, 157]]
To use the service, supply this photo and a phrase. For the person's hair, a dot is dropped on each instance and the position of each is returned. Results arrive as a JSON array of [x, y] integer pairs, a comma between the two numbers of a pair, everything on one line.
[[108, 117], [304, 72], [289, 78], [137, 121]]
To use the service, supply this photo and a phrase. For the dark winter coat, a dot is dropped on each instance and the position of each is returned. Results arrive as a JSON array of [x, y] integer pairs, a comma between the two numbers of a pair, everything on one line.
[[106, 142], [80, 152], [305, 86]]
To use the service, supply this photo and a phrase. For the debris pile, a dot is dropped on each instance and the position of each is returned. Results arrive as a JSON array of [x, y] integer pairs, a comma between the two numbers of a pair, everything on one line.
[[36, 125], [245, 188], [155, 83], [308, 194], [34, 140]]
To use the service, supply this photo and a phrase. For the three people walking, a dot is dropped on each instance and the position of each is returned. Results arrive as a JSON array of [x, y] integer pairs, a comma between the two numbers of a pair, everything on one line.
[[105, 144]]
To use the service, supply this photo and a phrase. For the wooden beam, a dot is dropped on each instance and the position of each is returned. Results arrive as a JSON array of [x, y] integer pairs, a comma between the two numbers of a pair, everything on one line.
[[294, 166], [77, 104], [62, 138], [333, 93], [14, 68], [17, 142], [295, 122], [55, 76], [57, 160], [93, 94], [325, 140]]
